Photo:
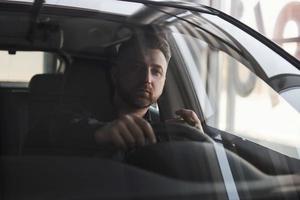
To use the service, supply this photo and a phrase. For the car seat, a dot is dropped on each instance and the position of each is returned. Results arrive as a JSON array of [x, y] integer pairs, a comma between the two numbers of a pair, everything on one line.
[[85, 84]]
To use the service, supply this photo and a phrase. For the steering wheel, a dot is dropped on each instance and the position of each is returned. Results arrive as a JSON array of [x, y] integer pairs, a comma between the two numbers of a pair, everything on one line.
[[166, 132], [177, 147]]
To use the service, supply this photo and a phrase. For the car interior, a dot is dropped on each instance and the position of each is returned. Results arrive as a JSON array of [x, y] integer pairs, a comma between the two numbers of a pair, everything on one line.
[[183, 165]]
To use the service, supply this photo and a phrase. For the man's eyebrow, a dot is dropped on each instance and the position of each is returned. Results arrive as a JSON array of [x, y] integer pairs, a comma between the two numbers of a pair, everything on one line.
[[157, 66], [141, 62]]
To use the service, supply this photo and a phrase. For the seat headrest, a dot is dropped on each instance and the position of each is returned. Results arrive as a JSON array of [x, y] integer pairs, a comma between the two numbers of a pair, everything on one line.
[[46, 84], [84, 84]]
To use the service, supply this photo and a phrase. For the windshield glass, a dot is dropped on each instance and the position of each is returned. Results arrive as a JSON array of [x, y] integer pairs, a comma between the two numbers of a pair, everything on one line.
[[157, 102], [272, 66], [240, 102]]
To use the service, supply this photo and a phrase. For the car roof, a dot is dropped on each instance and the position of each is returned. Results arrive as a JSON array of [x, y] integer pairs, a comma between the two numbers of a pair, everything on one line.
[[55, 25]]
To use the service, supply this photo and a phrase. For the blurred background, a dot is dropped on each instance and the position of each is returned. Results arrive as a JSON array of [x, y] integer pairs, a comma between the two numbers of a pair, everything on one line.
[[278, 20]]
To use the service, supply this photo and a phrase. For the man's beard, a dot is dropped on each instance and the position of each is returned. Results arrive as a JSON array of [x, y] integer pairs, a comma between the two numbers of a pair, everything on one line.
[[134, 100]]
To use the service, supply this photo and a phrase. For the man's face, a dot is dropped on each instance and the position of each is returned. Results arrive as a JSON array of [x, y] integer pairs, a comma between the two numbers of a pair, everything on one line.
[[141, 77]]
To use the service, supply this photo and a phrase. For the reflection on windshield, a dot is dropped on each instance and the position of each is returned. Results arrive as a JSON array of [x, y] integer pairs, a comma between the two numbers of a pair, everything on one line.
[[272, 66], [261, 115], [242, 104]]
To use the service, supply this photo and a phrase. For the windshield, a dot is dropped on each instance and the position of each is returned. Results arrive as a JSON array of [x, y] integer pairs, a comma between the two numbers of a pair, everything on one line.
[[240, 102], [156, 100], [232, 94], [271, 67]]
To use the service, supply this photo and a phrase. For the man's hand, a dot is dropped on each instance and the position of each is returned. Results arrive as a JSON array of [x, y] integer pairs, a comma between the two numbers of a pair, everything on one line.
[[126, 132], [187, 116]]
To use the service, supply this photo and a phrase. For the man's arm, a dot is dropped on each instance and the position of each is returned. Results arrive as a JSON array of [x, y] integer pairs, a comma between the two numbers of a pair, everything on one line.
[[129, 130], [79, 130]]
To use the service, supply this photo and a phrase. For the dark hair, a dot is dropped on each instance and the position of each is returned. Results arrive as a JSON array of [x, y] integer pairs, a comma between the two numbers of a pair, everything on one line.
[[147, 37]]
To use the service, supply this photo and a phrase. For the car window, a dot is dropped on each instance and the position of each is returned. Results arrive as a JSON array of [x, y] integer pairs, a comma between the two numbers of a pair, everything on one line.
[[293, 95], [21, 66], [234, 99]]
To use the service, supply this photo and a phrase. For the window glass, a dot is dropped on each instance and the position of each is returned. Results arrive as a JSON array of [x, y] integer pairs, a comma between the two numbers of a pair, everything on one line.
[[250, 108], [21, 66], [239, 102], [293, 95], [260, 52]]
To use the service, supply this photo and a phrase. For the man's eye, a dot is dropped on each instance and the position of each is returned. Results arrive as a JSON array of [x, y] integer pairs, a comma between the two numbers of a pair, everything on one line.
[[156, 72]]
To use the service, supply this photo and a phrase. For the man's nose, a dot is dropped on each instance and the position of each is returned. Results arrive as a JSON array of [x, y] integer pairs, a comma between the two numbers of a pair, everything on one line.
[[147, 75]]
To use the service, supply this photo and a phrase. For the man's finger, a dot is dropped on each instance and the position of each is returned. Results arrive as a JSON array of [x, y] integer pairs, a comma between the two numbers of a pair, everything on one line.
[[147, 129], [117, 140], [134, 129], [189, 116], [125, 134], [184, 112]]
